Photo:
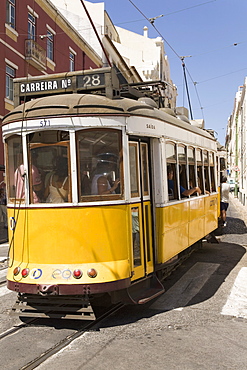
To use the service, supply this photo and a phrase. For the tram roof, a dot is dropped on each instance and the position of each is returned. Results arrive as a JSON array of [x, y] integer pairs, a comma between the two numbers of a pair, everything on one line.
[[93, 105]]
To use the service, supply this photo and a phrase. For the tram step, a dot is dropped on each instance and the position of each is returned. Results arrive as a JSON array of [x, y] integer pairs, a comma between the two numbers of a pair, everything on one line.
[[143, 291]]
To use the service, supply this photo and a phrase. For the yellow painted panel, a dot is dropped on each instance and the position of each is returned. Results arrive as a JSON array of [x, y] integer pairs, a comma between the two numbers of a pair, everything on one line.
[[173, 242], [71, 235], [181, 225], [196, 230], [196, 207], [211, 213], [175, 215]]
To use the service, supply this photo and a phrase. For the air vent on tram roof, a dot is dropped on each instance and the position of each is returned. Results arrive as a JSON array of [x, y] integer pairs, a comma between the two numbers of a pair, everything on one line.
[[12, 114], [98, 106], [148, 101], [141, 107], [47, 107], [183, 118], [169, 111]]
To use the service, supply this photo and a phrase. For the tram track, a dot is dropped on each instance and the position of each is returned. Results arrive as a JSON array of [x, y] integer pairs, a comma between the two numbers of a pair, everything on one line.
[[68, 339], [16, 335]]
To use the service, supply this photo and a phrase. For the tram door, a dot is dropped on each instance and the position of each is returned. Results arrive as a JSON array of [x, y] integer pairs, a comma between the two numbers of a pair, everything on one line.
[[140, 208]]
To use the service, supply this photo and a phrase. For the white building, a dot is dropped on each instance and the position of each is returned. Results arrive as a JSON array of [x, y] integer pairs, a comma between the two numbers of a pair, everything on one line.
[[236, 143], [138, 57]]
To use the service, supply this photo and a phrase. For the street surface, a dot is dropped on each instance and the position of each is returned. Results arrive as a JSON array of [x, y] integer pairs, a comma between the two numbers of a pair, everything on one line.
[[200, 322]]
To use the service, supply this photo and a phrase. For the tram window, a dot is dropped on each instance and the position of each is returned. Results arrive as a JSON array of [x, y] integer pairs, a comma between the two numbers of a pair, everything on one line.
[[136, 236], [200, 181], [206, 171], [182, 167], [171, 171], [133, 162], [191, 162], [50, 182], [15, 168], [99, 164], [145, 177], [212, 171]]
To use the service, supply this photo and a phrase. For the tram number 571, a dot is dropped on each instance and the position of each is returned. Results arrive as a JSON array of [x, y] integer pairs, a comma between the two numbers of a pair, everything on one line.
[[45, 123]]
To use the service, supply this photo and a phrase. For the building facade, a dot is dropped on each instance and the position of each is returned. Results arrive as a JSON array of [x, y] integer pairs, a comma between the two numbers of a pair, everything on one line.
[[138, 57], [236, 137], [36, 39]]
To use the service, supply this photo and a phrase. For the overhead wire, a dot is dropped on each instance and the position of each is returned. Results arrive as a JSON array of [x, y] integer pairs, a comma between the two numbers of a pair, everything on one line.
[[174, 51], [176, 11]]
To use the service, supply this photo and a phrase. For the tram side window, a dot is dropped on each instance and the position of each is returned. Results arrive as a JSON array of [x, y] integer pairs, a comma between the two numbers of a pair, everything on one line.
[[99, 164], [15, 168], [134, 170], [171, 171], [182, 167], [145, 177], [200, 176], [192, 173], [206, 172], [49, 164], [212, 171]]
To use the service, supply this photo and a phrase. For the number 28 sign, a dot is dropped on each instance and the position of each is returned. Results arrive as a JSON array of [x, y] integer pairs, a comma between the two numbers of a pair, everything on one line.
[[91, 80]]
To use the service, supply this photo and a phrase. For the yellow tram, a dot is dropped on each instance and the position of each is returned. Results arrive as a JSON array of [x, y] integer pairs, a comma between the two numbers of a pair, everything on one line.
[[91, 207]]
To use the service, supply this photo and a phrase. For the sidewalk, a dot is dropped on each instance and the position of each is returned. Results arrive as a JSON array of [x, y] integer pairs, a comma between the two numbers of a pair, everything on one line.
[[3, 233], [238, 207]]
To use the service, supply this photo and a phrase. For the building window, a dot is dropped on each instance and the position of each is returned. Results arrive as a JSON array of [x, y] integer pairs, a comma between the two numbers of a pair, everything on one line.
[[50, 41], [10, 13], [10, 74], [71, 61], [31, 26]]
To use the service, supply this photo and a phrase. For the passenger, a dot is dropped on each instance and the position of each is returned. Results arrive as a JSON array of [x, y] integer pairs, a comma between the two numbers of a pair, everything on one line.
[[85, 183], [19, 183], [103, 181], [183, 191], [224, 199], [135, 226], [58, 187]]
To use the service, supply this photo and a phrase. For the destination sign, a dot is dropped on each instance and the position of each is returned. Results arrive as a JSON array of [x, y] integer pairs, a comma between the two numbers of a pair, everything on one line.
[[103, 80], [45, 85], [88, 81]]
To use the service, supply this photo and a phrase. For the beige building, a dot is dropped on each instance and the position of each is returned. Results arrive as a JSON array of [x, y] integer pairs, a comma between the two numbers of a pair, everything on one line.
[[236, 144], [138, 57]]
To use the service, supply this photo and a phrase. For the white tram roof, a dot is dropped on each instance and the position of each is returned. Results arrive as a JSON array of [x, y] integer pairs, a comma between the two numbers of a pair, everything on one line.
[[77, 105]]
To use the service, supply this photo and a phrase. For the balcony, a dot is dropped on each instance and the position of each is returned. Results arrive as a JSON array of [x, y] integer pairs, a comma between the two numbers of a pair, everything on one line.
[[35, 54]]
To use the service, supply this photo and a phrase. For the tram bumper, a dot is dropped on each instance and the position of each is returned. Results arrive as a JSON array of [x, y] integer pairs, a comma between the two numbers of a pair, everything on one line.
[[44, 289]]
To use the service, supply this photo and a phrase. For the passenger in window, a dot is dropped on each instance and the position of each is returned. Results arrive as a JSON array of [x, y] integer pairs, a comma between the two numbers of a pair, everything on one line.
[[19, 183], [104, 182], [58, 187], [135, 226], [85, 183], [183, 191]]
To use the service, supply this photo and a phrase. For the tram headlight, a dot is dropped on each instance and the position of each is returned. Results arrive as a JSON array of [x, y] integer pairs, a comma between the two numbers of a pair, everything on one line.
[[16, 270], [25, 272], [77, 274], [92, 273]]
